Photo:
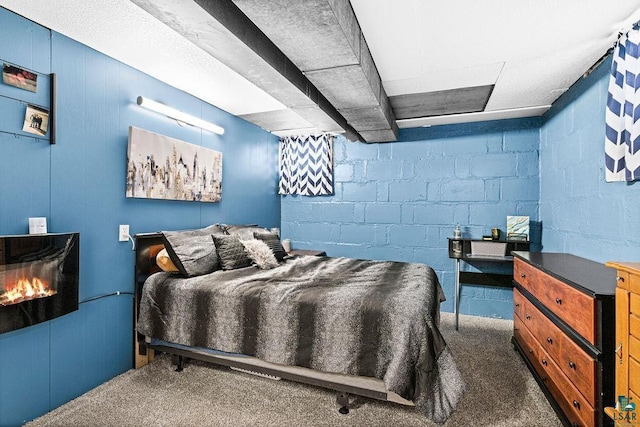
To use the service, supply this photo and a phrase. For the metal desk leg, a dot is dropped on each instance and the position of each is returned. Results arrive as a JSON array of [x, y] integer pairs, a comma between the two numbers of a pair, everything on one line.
[[456, 292]]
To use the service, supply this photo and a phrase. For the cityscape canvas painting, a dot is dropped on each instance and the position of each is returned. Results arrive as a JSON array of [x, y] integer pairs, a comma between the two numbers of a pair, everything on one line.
[[160, 167]]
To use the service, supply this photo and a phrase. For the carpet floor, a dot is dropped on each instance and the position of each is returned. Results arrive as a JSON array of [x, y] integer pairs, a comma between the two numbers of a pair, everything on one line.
[[500, 392]]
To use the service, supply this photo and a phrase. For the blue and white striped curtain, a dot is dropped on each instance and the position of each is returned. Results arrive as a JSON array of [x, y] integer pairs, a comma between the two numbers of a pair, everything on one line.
[[622, 141], [306, 165]]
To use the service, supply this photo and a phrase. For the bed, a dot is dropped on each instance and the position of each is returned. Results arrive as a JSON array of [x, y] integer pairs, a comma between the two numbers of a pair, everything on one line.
[[356, 326]]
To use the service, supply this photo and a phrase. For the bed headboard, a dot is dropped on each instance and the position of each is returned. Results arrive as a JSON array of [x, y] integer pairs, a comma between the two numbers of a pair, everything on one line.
[[147, 247]]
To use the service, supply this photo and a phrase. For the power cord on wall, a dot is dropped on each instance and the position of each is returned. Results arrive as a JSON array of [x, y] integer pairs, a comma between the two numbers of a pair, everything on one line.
[[105, 295]]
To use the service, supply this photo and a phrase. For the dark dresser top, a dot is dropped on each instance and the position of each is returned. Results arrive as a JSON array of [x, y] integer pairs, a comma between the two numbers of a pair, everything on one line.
[[590, 277]]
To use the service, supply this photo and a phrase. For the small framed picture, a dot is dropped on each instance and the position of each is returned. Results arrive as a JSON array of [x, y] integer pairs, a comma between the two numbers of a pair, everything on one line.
[[17, 77], [36, 120], [517, 228]]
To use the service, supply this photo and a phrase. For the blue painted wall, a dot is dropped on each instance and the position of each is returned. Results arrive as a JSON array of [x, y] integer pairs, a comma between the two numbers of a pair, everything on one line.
[[79, 185], [393, 201], [401, 201], [581, 213]]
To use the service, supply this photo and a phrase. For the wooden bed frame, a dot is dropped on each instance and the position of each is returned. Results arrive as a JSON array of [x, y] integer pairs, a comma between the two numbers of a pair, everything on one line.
[[147, 247]]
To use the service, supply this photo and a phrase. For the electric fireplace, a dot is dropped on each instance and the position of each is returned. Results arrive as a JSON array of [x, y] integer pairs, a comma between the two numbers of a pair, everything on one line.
[[39, 277]]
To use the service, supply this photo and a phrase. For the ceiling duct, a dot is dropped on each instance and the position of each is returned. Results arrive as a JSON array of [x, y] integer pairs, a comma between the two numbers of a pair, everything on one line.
[[311, 56], [222, 30], [324, 40]]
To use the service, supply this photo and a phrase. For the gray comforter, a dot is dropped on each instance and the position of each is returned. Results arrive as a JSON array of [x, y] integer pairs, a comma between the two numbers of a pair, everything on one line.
[[342, 315]]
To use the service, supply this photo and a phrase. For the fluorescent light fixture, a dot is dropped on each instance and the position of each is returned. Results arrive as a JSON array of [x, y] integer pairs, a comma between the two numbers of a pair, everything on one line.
[[179, 115], [480, 116]]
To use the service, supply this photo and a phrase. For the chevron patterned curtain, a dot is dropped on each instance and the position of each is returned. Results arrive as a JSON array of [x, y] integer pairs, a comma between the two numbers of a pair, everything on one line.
[[622, 140], [306, 165]]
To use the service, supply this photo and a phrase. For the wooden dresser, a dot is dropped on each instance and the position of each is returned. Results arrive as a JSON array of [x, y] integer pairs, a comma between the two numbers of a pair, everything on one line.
[[564, 328], [627, 360]]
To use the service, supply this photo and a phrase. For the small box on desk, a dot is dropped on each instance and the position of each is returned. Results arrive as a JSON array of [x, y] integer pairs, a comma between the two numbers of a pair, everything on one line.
[[486, 248]]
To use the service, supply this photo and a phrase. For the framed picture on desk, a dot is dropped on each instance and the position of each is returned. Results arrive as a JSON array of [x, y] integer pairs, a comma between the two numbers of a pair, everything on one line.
[[517, 227]]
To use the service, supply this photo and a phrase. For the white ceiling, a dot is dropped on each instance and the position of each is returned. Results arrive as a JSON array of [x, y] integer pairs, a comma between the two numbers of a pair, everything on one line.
[[531, 50]]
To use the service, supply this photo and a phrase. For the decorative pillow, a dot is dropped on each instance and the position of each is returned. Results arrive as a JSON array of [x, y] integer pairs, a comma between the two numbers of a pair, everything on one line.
[[164, 262], [273, 241], [243, 232], [231, 252], [260, 253], [192, 251]]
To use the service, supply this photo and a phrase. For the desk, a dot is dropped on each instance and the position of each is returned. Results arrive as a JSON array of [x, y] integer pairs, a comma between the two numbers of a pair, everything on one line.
[[475, 278]]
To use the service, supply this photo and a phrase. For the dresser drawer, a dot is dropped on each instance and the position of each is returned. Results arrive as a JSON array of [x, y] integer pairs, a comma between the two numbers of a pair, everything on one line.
[[634, 376], [634, 325], [634, 347], [634, 316], [634, 302], [579, 367], [635, 397], [526, 341], [545, 332], [526, 275], [577, 309], [573, 404], [518, 303], [634, 283]]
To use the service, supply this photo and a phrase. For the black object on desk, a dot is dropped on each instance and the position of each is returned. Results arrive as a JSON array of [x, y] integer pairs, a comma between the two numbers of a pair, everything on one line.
[[461, 250]]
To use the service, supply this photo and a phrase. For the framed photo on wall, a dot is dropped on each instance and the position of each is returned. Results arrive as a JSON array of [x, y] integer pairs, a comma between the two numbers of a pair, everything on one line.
[[36, 120], [20, 78]]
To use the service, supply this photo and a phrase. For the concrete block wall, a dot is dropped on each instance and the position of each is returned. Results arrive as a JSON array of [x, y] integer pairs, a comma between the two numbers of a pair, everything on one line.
[[581, 212], [401, 201]]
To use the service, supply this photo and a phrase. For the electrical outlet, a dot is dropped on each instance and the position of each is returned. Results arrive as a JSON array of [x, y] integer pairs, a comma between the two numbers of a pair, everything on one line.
[[124, 233]]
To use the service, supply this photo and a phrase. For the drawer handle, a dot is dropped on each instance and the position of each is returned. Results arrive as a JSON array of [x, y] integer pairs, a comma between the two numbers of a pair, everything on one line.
[[576, 404], [523, 275], [572, 365], [618, 278], [530, 351], [558, 301], [528, 317], [517, 305], [544, 362], [549, 340], [619, 352]]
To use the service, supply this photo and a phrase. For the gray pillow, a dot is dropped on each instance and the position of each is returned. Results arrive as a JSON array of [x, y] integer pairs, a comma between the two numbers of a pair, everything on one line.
[[230, 252], [192, 251], [243, 232], [273, 241]]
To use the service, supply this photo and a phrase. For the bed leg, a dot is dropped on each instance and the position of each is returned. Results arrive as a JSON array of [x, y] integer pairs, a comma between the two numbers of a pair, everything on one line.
[[180, 364], [343, 401]]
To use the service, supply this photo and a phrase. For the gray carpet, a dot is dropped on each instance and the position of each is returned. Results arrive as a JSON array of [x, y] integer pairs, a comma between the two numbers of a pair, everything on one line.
[[500, 392]]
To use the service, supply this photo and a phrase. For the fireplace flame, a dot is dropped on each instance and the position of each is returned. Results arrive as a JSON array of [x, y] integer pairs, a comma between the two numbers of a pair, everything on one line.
[[25, 290]]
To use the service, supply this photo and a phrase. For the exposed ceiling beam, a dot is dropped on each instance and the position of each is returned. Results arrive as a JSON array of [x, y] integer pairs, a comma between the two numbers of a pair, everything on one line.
[[221, 29], [324, 40]]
